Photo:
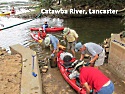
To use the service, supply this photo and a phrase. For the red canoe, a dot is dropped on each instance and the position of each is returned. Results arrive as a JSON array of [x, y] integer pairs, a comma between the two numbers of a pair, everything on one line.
[[65, 74], [36, 37], [52, 29]]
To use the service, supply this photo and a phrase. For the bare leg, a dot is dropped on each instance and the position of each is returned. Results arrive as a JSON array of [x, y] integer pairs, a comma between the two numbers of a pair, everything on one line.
[[73, 52]]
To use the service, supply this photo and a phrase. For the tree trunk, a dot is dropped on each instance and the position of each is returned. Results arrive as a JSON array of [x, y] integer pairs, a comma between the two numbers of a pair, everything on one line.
[[59, 2]]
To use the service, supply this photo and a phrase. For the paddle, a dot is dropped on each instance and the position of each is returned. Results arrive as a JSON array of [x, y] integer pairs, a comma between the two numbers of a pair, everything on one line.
[[33, 73]]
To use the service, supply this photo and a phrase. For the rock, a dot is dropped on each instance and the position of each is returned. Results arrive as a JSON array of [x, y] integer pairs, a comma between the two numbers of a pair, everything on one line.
[[45, 67], [87, 56], [106, 46], [43, 70], [1, 53], [107, 50]]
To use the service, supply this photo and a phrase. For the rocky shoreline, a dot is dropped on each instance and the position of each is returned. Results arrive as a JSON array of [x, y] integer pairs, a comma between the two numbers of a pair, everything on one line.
[[11, 67]]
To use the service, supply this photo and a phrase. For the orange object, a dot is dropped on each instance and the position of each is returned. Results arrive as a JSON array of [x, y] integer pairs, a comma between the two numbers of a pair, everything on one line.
[[61, 47]]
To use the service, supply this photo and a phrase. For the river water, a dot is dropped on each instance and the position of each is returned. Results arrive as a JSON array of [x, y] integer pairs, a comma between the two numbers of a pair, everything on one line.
[[94, 29], [89, 29], [21, 34]]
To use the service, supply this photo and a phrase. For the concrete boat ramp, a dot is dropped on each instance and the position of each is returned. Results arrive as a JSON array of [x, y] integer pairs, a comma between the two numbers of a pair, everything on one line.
[[29, 83]]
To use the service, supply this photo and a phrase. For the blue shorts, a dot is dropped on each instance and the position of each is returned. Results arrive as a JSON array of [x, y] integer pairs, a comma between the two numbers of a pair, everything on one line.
[[107, 89]]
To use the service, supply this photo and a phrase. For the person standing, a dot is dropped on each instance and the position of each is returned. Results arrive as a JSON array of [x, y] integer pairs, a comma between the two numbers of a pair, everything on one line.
[[96, 52], [71, 36], [93, 79]]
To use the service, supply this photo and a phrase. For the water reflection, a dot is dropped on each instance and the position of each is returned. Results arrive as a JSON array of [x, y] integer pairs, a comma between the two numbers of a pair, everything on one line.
[[89, 29], [20, 6], [94, 29], [20, 34]]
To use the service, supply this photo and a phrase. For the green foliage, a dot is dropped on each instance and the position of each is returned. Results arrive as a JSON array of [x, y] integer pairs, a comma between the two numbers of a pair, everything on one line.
[[65, 3], [123, 20], [97, 4], [46, 3], [100, 4]]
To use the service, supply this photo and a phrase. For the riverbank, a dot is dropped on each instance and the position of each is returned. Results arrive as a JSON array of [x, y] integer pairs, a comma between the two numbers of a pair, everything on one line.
[[64, 12], [10, 78], [10, 73], [64, 16]]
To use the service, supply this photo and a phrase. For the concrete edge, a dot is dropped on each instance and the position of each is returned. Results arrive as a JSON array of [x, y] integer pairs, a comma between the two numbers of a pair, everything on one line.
[[29, 83]]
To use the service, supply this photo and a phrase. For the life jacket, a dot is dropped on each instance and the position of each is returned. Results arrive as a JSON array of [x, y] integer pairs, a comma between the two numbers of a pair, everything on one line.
[[42, 35], [13, 11], [46, 25]]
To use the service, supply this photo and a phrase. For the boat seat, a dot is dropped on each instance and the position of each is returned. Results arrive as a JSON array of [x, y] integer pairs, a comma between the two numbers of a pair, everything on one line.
[[68, 65], [70, 71]]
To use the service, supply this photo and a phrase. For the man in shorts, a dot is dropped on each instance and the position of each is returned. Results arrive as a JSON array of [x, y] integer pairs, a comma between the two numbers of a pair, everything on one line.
[[96, 52], [71, 36]]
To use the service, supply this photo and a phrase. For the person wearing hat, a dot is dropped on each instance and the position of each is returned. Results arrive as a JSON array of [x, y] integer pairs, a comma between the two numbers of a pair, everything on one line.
[[96, 52], [52, 40], [92, 78], [71, 36], [44, 26]]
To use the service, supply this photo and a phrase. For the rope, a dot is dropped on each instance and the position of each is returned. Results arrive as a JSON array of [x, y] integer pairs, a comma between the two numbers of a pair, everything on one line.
[[21, 22]]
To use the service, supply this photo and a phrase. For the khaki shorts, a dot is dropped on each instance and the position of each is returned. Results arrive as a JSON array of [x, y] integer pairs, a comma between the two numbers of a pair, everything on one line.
[[100, 59], [71, 45]]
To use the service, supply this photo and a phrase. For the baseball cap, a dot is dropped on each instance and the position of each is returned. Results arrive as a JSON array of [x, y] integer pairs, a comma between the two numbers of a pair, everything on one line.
[[78, 46]]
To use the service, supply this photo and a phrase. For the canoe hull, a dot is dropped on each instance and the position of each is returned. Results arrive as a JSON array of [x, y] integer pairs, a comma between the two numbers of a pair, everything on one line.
[[35, 37], [53, 29], [5, 14], [65, 75]]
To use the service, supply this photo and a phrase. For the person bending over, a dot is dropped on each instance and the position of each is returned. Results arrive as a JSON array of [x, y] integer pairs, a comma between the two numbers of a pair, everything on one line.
[[96, 52], [94, 78]]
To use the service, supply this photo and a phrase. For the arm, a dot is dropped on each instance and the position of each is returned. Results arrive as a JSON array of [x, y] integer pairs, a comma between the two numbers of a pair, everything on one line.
[[54, 47], [87, 87], [40, 38], [82, 57], [94, 56], [44, 27], [64, 38], [76, 40], [93, 60], [55, 44], [54, 51]]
